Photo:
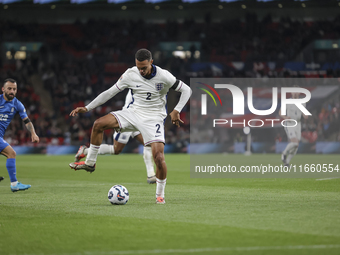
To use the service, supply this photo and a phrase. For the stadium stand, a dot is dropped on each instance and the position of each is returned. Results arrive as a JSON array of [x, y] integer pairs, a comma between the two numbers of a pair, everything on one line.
[[77, 61]]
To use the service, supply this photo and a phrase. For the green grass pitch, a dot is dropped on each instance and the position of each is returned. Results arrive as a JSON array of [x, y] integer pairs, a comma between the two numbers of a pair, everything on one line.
[[67, 212]]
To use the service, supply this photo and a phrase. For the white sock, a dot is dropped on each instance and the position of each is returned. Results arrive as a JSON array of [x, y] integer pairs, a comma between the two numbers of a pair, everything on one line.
[[290, 147], [160, 187], [291, 155], [147, 155], [14, 183], [92, 155], [106, 149]]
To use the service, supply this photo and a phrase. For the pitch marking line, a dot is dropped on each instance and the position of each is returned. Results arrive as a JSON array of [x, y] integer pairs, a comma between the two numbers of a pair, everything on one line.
[[256, 248], [326, 179], [200, 250]]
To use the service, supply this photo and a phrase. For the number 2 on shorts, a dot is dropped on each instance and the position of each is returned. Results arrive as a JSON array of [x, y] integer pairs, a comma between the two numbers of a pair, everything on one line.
[[158, 127]]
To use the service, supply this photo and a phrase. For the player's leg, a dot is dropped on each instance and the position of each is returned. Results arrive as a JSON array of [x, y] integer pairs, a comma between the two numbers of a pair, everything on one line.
[[148, 160], [11, 167], [109, 121], [103, 149], [295, 140], [121, 139], [161, 170], [291, 146], [293, 151], [152, 131], [119, 142]]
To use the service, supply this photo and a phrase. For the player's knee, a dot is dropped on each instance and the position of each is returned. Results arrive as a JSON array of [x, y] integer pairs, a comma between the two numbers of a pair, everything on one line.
[[158, 157], [12, 154], [98, 125]]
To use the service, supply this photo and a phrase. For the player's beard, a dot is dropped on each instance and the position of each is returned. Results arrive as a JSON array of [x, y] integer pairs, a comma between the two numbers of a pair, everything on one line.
[[9, 96]]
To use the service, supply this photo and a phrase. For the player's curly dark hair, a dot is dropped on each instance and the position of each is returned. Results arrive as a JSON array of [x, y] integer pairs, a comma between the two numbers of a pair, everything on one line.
[[143, 54]]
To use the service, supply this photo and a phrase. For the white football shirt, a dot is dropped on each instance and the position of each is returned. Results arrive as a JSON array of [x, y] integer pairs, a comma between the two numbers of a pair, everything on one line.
[[148, 95], [293, 112], [128, 99]]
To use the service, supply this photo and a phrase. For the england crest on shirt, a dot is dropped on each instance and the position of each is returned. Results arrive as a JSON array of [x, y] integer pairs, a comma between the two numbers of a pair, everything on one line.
[[159, 86]]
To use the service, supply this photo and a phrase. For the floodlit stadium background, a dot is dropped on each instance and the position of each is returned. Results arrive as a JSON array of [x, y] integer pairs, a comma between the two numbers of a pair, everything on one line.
[[64, 53]]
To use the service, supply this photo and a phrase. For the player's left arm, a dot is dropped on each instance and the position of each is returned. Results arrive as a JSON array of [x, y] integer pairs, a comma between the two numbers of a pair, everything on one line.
[[30, 127], [185, 91]]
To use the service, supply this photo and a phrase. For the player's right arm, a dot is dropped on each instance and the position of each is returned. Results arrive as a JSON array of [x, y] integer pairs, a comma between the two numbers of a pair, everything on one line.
[[29, 125], [103, 97]]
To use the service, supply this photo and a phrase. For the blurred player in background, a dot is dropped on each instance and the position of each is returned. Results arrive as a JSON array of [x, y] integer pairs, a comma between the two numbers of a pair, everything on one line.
[[147, 112], [120, 140], [9, 106], [293, 133]]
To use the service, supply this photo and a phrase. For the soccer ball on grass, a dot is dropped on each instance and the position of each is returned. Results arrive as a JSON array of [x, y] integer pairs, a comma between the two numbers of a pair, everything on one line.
[[118, 195]]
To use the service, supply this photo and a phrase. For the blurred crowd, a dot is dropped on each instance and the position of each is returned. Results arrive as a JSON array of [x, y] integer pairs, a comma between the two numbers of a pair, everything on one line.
[[78, 61], [325, 123]]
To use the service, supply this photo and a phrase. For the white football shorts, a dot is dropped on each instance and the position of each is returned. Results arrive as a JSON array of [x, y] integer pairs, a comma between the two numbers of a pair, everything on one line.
[[151, 128], [294, 132], [123, 137]]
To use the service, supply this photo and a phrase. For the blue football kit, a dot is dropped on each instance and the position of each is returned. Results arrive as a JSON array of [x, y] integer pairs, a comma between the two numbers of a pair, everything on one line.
[[7, 111]]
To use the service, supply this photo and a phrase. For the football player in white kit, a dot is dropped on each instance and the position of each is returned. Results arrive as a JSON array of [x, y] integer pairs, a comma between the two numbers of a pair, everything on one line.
[[293, 133], [120, 140], [146, 113]]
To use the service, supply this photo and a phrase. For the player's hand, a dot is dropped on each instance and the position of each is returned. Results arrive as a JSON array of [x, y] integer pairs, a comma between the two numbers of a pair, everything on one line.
[[35, 138], [78, 110], [175, 118]]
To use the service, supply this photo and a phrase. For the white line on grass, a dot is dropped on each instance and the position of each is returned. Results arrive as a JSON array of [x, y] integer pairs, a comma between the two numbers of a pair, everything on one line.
[[326, 179], [200, 250]]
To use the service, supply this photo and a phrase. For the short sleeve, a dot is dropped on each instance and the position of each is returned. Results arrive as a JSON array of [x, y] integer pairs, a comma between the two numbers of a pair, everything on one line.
[[21, 110]]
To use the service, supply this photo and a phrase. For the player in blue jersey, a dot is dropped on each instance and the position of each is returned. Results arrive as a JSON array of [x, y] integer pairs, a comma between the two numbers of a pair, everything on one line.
[[9, 106]]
